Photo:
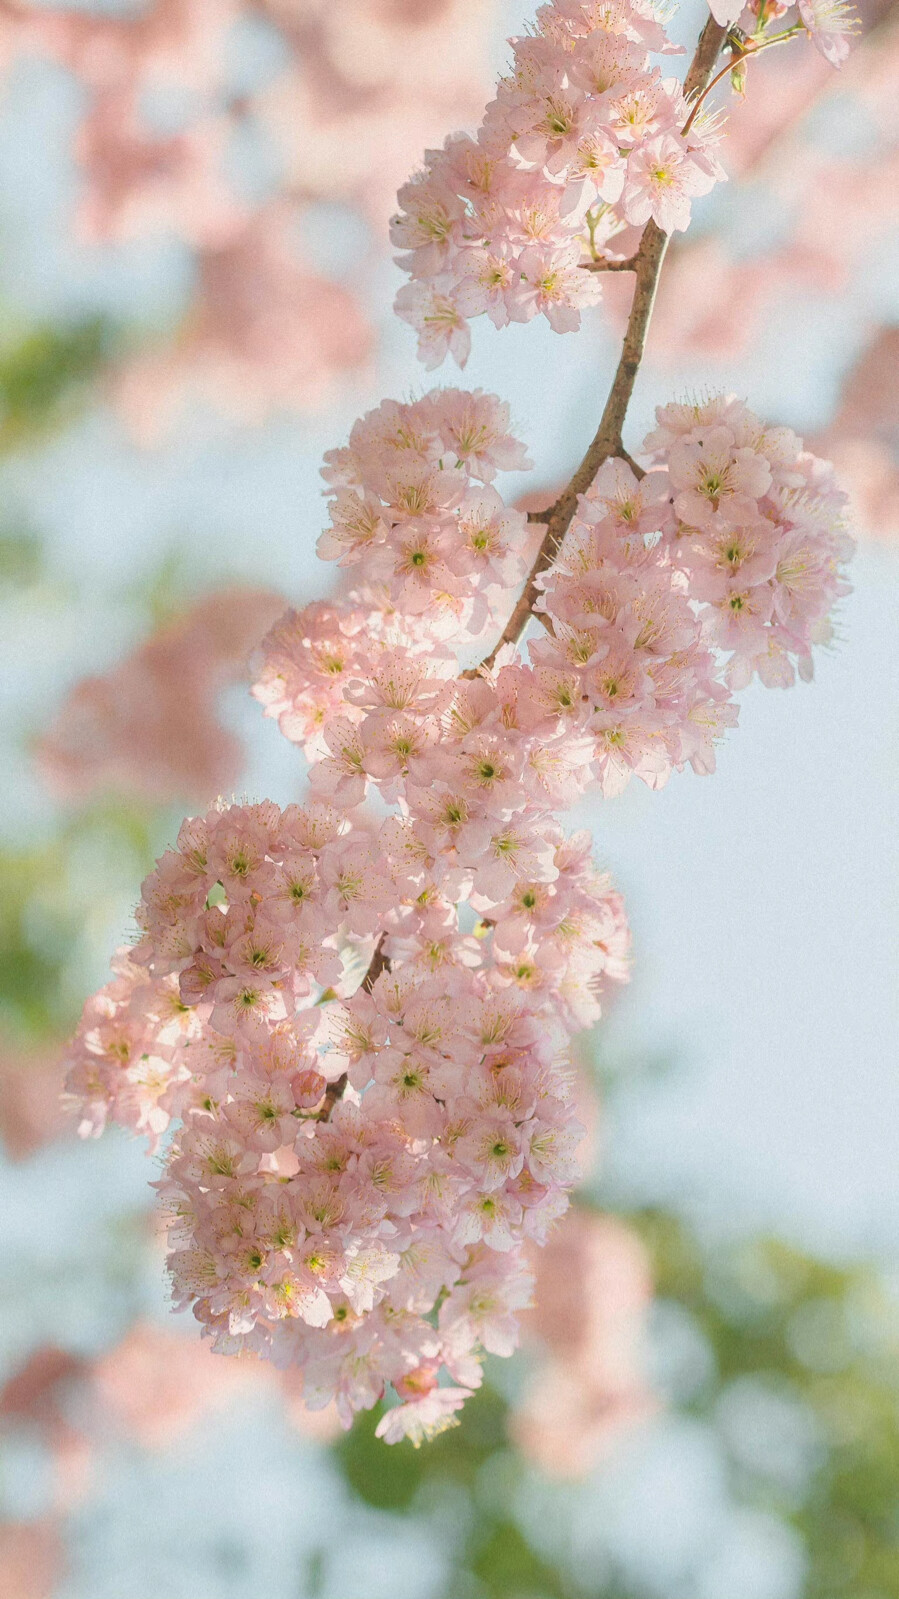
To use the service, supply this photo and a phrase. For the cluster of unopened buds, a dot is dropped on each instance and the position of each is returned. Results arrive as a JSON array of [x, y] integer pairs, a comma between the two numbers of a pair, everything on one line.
[[350, 1020]]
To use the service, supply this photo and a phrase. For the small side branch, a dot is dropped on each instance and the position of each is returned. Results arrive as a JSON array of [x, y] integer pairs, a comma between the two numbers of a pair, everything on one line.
[[335, 1092], [601, 265], [379, 963]]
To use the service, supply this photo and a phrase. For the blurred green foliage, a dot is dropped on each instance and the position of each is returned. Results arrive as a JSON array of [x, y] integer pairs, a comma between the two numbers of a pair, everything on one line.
[[811, 1350], [55, 902], [46, 374], [21, 560], [826, 1339]]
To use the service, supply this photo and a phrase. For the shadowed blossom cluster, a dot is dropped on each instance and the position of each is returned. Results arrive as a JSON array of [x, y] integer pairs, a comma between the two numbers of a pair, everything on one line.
[[584, 137], [377, 1238]]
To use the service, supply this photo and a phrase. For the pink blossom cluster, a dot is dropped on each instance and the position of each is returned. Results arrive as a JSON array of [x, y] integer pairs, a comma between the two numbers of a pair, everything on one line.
[[760, 536], [327, 1234], [126, 1061], [151, 724], [350, 1019], [414, 510], [733, 545], [584, 137], [324, 1231], [624, 638], [415, 518]]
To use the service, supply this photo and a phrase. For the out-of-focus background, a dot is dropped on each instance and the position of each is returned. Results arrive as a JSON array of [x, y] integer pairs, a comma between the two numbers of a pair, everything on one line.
[[195, 290]]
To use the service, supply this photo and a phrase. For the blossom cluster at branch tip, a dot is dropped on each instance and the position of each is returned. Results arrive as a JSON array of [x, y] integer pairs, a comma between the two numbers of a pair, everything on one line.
[[583, 139], [830, 25]]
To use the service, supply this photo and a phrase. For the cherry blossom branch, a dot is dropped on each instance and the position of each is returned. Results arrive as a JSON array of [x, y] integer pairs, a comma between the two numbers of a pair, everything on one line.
[[454, 1058], [607, 441], [379, 963]]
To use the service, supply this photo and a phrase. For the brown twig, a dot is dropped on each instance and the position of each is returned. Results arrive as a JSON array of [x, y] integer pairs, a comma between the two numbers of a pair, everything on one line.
[[601, 265], [335, 1092], [607, 440], [379, 963], [635, 466]]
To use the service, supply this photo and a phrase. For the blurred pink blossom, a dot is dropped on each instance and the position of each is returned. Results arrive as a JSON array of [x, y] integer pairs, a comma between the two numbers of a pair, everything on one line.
[[156, 1384], [836, 204], [593, 1290], [150, 724], [369, 84], [264, 332], [35, 1397], [863, 438], [33, 1392], [139, 176], [31, 1559], [359, 90], [159, 1383], [31, 1110]]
